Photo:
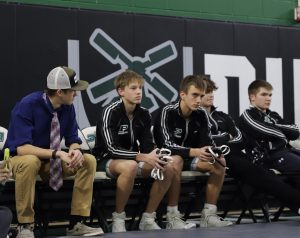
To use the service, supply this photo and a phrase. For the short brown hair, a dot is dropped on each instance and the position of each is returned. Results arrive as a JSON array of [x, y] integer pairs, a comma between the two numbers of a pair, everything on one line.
[[254, 87], [195, 80], [210, 85], [127, 77], [52, 92]]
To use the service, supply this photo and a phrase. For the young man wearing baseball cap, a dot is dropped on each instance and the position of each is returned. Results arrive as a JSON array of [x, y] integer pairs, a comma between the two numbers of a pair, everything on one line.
[[38, 123]]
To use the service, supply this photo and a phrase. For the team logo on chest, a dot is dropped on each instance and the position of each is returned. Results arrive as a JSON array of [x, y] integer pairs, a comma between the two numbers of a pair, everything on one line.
[[123, 130], [269, 119], [178, 133]]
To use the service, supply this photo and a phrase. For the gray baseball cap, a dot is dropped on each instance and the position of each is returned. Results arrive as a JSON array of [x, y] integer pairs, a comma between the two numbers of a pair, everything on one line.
[[63, 77]]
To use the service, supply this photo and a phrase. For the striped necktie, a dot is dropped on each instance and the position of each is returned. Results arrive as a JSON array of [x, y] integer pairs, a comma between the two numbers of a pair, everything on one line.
[[56, 177]]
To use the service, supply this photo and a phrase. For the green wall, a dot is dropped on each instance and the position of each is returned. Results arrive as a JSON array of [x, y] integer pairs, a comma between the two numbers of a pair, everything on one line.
[[275, 12]]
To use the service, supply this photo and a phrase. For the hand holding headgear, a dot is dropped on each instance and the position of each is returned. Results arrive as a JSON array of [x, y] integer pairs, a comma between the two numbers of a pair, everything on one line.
[[217, 152], [164, 155]]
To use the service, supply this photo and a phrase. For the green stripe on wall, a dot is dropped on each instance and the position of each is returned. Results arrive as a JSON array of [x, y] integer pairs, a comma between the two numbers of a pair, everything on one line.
[[275, 12]]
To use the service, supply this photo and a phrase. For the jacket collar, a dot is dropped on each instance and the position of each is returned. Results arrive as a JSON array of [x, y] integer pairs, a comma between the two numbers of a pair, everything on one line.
[[122, 106], [180, 112], [260, 111], [213, 108]]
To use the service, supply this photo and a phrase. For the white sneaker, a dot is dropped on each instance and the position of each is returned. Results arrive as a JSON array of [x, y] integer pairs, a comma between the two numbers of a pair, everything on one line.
[[81, 229], [25, 231], [209, 218], [148, 222], [118, 222], [174, 221]]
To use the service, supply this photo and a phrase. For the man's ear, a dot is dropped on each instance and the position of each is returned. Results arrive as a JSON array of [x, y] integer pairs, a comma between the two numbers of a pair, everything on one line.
[[120, 91], [251, 97], [181, 94], [59, 92]]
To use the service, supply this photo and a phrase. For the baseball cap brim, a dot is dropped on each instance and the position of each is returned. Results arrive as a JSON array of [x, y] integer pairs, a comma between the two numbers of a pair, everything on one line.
[[80, 85]]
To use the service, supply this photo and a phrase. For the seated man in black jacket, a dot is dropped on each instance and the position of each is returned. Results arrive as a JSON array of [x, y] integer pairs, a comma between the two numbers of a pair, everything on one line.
[[125, 149], [268, 134], [5, 213], [225, 132], [183, 127]]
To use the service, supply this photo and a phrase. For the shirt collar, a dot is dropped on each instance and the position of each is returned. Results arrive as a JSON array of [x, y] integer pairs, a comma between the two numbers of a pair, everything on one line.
[[48, 104]]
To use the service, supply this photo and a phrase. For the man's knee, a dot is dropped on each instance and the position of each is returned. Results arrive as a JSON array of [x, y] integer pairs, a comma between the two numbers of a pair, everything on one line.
[[90, 162], [213, 169], [29, 163], [169, 171], [177, 163], [127, 168], [130, 167], [220, 171]]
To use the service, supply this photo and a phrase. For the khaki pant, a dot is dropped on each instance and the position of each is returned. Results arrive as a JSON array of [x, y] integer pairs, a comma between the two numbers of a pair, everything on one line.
[[26, 168]]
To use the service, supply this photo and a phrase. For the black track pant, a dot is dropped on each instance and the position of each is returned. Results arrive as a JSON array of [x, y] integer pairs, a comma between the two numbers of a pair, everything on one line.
[[5, 220], [287, 161], [263, 180]]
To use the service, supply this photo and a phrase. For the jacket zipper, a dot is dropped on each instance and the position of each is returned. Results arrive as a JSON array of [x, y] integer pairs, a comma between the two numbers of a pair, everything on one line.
[[187, 121], [131, 133]]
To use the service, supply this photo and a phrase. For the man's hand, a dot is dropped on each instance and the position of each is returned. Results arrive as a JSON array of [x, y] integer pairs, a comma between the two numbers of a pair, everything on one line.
[[5, 171], [153, 159], [64, 156], [76, 158], [202, 153]]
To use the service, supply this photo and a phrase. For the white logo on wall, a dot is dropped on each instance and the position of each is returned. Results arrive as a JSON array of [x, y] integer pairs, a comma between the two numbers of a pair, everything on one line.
[[220, 67], [155, 87]]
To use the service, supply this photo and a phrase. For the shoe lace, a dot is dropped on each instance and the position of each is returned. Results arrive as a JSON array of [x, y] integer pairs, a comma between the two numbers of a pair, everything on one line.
[[79, 226], [84, 226], [177, 218], [151, 222], [214, 217], [150, 219]]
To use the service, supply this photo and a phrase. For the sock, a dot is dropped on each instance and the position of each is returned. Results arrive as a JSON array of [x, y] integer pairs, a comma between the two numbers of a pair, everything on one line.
[[118, 213], [149, 214], [211, 207], [172, 209], [26, 224], [73, 220]]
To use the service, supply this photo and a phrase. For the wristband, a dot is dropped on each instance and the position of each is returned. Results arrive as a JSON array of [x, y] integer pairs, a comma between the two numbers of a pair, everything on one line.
[[54, 154]]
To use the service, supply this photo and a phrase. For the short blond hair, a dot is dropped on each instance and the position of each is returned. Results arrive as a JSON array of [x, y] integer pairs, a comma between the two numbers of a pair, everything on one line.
[[127, 77]]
